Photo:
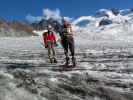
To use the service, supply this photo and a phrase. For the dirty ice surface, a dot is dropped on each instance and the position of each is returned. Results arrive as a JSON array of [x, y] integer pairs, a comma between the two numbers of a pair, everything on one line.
[[104, 71]]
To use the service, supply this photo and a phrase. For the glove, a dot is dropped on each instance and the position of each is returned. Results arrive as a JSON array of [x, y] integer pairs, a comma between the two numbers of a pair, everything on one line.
[[55, 44], [46, 46]]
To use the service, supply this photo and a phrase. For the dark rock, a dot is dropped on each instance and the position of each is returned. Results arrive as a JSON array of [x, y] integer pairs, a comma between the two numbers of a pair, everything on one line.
[[105, 22]]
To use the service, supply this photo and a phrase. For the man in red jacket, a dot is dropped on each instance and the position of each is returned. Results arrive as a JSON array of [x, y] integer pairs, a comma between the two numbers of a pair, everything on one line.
[[50, 43]]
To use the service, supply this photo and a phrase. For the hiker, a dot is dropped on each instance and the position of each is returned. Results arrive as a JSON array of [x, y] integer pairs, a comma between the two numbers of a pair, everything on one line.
[[50, 43], [67, 41]]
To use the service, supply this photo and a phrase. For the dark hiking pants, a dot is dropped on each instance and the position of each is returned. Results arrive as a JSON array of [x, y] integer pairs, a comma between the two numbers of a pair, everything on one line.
[[68, 44]]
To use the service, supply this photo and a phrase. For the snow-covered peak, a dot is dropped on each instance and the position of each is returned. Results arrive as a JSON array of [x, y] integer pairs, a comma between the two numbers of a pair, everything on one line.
[[126, 11], [82, 18], [106, 12], [111, 15], [111, 25]]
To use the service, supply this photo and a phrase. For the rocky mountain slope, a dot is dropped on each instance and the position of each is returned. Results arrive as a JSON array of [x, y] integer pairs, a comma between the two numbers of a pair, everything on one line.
[[14, 28]]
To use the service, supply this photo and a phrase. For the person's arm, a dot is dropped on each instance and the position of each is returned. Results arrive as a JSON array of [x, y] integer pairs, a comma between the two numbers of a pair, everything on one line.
[[54, 39], [45, 39], [71, 30]]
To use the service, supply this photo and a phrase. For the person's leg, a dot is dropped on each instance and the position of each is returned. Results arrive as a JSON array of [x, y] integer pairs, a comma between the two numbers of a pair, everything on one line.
[[49, 55], [65, 47], [49, 52], [72, 50], [54, 54], [71, 46]]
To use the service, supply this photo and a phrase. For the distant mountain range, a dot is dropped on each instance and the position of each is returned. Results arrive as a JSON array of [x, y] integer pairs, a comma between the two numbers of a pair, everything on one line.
[[14, 28], [103, 20], [106, 24], [42, 25], [21, 28]]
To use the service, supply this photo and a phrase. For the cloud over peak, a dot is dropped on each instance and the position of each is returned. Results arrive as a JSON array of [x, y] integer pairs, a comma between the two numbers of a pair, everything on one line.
[[46, 14], [54, 14], [31, 18]]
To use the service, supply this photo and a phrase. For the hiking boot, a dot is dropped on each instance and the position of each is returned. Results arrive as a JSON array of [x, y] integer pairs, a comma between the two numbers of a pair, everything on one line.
[[51, 60], [54, 60], [67, 61], [74, 61]]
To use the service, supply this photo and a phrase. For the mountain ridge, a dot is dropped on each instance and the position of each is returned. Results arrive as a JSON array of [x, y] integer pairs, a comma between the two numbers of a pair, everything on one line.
[[101, 22]]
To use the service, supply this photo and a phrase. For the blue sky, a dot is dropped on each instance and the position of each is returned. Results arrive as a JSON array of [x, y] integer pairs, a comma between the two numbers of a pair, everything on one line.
[[19, 9]]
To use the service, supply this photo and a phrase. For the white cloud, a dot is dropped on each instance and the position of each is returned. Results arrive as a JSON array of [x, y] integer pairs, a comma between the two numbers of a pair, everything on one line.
[[68, 19], [54, 14], [47, 14], [31, 18]]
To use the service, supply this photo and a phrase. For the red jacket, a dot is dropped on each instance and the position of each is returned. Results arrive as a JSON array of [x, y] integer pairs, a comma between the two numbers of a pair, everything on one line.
[[49, 37]]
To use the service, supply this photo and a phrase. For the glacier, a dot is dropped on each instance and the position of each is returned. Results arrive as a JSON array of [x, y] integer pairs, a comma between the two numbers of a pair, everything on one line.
[[104, 70]]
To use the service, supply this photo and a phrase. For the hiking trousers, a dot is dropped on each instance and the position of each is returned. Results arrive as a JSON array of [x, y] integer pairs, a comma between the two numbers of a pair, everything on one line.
[[51, 50], [68, 45]]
